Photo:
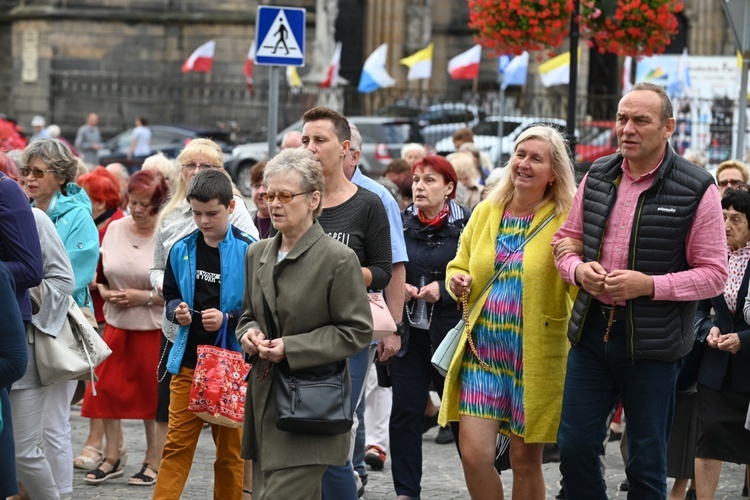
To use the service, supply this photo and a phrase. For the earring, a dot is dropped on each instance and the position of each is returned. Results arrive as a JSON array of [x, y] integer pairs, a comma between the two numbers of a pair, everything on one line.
[[551, 182]]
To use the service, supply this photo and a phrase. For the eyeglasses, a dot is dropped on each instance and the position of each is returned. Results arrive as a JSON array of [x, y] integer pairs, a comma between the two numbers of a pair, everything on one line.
[[726, 182], [193, 166], [283, 196], [37, 173]]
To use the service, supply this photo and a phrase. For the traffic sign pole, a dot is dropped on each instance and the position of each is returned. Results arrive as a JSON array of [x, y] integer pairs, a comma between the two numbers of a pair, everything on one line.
[[279, 42], [273, 110]]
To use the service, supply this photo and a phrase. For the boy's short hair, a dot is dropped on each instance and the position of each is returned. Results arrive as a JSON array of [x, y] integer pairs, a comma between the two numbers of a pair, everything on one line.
[[209, 185]]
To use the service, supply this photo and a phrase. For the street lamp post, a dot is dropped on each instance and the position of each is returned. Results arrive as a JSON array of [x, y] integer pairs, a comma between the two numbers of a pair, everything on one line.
[[573, 80]]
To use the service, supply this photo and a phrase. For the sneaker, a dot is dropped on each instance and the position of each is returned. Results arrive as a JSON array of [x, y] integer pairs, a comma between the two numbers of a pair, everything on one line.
[[360, 485], [375, 457], [444, 435]]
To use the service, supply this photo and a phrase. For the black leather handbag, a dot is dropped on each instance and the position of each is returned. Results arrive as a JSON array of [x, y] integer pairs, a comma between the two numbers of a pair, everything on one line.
[[312, 401], [315, 400]]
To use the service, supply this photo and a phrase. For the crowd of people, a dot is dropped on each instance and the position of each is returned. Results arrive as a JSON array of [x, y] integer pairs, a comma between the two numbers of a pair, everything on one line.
[[629, 289]]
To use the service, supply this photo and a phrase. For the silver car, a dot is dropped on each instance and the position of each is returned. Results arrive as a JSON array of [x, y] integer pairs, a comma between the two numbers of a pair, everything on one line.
[[382, 139]]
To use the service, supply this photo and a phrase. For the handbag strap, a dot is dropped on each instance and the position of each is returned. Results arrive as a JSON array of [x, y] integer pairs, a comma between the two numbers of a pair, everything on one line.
[[270, 324], [466, 314], [505, 264], [221, 337]]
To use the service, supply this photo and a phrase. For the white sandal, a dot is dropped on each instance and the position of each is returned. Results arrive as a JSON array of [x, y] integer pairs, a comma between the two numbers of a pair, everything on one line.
[[88, 463]]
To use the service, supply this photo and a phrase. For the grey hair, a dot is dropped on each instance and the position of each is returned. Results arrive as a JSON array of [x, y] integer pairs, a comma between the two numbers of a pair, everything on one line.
[[356, 140], [412, 146], [56, 157], [301, 163]]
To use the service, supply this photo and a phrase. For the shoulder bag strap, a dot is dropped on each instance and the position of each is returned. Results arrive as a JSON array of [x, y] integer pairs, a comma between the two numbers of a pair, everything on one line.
[[469, 338], [505, 264]]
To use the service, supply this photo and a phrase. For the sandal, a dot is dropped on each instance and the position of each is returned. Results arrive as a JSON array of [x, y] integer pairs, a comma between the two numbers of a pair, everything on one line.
[[247, 492], [88, 462], [143, 479], [99, 476]]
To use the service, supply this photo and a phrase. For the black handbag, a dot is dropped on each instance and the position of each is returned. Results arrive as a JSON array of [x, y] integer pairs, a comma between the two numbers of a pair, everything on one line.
[[315, 400]]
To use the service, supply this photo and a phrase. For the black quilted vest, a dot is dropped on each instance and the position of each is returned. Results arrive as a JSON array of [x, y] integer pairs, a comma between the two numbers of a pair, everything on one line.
[[661, 330]]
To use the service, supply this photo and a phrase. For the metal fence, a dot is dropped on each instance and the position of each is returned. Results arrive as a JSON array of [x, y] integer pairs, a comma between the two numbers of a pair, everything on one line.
[[707, 125]]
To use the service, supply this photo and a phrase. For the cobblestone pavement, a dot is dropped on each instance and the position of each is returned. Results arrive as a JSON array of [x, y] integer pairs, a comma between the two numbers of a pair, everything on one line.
[[443, 477]]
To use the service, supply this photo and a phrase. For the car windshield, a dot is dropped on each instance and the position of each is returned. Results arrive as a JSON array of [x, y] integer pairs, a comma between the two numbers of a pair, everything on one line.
[[388, 133], [490, 128], [595, 135]]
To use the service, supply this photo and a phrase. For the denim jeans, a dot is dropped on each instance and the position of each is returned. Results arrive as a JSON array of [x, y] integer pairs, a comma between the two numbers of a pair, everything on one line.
[[597, 372], [338, 480]]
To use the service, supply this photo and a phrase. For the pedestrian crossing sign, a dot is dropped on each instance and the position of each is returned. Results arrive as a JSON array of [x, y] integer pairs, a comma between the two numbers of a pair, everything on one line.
[[280, 36]]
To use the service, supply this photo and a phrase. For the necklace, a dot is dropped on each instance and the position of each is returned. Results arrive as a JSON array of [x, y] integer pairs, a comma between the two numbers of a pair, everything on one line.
[[328, 198]]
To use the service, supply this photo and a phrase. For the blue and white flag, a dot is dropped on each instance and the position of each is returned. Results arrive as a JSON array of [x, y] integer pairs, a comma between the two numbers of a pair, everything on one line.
[[514, 72], [374, 75]]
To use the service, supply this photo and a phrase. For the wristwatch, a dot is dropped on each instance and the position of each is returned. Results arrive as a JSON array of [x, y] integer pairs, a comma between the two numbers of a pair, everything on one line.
[[150, 298], [400, 328]]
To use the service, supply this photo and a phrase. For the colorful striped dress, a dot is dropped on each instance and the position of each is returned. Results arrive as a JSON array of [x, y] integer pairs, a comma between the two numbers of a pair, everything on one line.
[[498, 394]]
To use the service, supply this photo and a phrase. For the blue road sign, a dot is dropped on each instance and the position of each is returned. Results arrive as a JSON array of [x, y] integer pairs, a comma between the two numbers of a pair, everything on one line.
[[280, 36]]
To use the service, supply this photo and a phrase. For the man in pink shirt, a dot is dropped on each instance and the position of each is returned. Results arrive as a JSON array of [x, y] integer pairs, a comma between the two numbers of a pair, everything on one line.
[[649, 222]]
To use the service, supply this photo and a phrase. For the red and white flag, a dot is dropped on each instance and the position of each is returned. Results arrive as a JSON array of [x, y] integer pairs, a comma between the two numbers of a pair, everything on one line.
[[249, 62], [465, 66], [332, 77], [202, 59]]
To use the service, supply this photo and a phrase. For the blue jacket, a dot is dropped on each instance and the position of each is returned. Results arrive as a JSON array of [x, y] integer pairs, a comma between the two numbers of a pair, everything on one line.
[[20, 249], [180, 277], [71, 213]]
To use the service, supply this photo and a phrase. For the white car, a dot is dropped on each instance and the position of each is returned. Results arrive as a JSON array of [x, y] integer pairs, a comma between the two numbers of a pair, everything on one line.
[[487, 139]]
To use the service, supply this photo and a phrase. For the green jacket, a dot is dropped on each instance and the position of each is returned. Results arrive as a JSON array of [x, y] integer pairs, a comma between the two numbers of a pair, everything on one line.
[[319, 301]]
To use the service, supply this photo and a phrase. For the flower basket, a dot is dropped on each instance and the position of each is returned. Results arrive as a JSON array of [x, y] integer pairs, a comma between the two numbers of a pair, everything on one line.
[[637, 28], [513, 26]]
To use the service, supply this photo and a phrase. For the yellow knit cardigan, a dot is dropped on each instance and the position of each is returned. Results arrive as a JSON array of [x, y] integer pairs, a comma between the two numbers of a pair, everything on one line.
[[546, 302]]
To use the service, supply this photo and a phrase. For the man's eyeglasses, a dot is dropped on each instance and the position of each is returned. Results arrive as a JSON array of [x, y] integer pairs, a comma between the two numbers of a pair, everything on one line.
[[726, 182], [201, 166], [283, 196], [37, 173]]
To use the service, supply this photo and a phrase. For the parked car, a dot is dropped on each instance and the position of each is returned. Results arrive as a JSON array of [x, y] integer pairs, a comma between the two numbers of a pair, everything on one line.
[[595, 139], [382, 139], [441, 120], [486, 135], [169, 139]]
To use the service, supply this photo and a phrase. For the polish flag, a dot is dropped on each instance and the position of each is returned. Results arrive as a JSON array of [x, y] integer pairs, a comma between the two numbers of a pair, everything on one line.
[[202, 59], [332, 77], [249, 62], [465, 66]]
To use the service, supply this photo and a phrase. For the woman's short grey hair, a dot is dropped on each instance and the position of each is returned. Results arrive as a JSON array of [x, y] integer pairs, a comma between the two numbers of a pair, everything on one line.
[[303, 164], [56, 157], [412, 146]]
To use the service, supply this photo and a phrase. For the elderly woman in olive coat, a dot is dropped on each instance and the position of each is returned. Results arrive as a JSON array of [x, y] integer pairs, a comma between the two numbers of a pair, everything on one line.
[[315, 293]]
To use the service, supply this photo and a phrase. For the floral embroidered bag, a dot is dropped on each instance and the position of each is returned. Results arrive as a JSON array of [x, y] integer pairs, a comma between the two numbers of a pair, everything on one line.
[[219, 387]]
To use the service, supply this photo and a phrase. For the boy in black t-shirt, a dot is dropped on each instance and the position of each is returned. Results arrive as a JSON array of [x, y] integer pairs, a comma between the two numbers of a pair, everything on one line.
[[203, 288]]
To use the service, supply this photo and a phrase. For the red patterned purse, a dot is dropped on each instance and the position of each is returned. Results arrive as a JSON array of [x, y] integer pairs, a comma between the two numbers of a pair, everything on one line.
[[219, 388]]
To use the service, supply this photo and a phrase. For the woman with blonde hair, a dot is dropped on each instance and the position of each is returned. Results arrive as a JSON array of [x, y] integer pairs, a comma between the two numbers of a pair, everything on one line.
[[469, 191], [509, 379]]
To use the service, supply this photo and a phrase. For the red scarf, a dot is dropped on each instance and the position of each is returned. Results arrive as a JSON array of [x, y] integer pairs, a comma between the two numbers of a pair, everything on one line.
[[438, 220]]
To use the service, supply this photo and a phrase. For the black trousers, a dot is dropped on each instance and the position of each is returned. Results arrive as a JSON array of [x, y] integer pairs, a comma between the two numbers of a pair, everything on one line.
[[411, 375]]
